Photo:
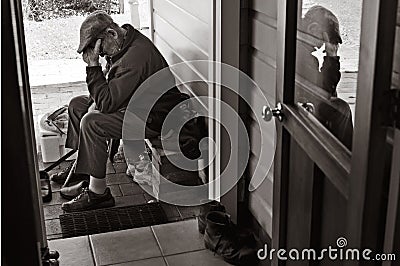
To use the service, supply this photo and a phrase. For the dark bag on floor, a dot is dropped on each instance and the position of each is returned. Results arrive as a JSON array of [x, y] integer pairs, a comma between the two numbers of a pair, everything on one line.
[[193, 129]]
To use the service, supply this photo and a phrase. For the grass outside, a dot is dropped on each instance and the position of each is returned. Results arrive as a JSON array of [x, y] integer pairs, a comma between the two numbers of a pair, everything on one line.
[[348, 13], [58, 38]]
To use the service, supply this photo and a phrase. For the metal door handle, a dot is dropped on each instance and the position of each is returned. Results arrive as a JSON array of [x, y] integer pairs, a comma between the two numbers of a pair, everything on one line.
[[309, 107], [268, 113]]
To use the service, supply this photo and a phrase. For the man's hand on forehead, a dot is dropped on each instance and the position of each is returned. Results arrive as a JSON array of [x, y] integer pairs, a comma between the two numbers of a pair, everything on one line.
[[91, 55], [331, 49]]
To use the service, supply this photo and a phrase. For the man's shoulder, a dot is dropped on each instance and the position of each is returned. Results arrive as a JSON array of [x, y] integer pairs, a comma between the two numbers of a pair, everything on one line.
[[140, 52], [339, 103]]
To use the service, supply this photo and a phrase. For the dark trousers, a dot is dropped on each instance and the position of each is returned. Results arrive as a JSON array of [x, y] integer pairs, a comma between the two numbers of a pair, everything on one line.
[[88, 133]]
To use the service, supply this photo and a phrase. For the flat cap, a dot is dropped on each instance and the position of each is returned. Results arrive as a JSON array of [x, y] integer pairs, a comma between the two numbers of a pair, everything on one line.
[[91, 27]]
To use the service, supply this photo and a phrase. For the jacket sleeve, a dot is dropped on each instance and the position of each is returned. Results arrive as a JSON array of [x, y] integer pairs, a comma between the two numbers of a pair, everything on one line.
[[109, 96], [330, 72]]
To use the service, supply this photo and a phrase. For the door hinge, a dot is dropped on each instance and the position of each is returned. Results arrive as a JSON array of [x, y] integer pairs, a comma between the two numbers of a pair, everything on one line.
[[394, 115]]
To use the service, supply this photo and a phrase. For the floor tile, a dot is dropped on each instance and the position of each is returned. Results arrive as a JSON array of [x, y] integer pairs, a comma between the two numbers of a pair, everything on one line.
[[56, 199], [56, 236], [55, 187], [53, 227], [116, 168], [178, 237], [147, 262], [120, 167], [171, 211], [115, 190], [131, 189], [123, 246], [116, 179], [189, 212], [52, 211], [110, 168], [196, 258], [129, 200], [73, 251], [174, 219]]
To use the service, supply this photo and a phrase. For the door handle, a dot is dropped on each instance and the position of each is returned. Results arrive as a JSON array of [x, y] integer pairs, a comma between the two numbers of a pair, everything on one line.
[[309, 107], [268, 113]]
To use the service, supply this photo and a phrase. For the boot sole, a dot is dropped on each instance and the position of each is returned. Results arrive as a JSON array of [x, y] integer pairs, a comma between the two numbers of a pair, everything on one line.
[[100, 205], [68, 197]]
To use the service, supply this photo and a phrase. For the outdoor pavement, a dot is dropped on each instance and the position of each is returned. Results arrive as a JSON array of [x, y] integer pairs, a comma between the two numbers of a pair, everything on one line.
[[174, 244], [46, 72]]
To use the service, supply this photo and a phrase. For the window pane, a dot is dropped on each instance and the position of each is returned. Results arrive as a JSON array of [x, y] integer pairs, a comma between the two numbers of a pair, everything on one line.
[[327, 62]]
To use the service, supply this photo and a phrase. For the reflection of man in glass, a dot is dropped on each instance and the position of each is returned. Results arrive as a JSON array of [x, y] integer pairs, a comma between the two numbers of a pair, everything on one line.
[[320, 26]]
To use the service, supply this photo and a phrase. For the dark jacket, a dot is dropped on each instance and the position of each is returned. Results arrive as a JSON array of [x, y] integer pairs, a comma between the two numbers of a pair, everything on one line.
[[137, 60], [307, 66], [127, 70], [334, 113]]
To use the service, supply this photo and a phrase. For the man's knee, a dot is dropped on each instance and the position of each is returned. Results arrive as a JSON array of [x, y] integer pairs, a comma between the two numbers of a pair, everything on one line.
[[91, 122], [78, 103]]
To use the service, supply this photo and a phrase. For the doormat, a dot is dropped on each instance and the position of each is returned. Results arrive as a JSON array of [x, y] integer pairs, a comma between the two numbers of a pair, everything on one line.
[[111, 219]]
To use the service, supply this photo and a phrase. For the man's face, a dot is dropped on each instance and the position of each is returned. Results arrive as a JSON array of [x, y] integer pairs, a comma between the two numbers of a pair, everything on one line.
[[315, 31], [108, 46]]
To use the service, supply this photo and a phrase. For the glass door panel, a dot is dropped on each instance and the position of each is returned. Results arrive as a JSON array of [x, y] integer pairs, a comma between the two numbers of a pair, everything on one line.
[[327, 49]]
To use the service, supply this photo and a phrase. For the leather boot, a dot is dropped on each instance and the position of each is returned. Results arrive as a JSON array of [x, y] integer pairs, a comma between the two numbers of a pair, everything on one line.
[[204, 210], [225, 239]]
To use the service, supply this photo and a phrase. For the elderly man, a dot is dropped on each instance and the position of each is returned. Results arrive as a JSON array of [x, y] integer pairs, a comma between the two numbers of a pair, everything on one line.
[[132, 58], [320, 26]]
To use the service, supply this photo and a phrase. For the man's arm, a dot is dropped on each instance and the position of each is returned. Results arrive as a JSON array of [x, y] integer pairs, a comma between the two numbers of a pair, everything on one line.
[[330, 70], [109, 96], [330, 73]]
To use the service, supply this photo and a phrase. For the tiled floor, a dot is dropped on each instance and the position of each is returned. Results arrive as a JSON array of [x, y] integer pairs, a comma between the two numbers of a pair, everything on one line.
[[173, 244], [125, 191]]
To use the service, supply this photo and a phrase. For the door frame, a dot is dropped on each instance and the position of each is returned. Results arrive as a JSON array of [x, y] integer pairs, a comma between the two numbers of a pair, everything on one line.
[[374, 83], [224, 48], [353, 174], [23, 224]]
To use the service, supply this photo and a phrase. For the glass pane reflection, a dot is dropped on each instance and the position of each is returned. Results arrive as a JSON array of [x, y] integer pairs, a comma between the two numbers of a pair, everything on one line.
[[327, 62]]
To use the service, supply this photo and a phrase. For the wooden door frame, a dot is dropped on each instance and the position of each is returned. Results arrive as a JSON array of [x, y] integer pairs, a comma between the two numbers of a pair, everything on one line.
[[151, 26], [23, 224], [392, 228], [353, 175], [374, 83], [224, 48], [285, 74]]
